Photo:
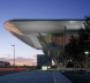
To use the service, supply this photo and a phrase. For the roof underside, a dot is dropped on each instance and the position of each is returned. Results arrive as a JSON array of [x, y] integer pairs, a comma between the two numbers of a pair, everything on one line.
[[29, 30]]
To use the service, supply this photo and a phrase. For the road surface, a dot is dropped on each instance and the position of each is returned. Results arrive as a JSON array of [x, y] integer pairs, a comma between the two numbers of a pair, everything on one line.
[[35, 76]]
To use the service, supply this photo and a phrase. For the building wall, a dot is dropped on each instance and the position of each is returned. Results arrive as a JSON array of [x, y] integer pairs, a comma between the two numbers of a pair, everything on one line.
[[43, 60], [4, 64]]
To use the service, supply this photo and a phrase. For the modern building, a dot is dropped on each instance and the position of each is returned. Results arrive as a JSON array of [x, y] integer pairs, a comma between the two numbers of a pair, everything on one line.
[[40, 33], [43, 60]]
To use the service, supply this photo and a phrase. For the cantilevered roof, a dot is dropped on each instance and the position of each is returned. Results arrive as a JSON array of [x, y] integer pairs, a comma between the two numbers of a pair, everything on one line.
[[29, 30]]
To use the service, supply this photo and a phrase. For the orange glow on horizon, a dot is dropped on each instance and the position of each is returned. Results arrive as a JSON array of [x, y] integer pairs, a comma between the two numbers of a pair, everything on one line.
[[24, 62]]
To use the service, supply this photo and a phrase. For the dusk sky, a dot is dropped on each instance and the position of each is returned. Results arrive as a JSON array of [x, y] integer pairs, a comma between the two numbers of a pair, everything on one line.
[[35, 9]]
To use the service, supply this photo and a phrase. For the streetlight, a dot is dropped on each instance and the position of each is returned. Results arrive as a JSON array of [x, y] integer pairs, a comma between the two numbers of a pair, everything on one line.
[[13, 55], [86, 53]]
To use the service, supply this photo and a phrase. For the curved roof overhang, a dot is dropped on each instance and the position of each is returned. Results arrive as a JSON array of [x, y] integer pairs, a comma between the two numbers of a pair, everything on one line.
[[29, 30]]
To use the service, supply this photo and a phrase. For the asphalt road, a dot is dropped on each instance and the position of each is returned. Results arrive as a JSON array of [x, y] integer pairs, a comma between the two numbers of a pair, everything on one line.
[[35, 76]]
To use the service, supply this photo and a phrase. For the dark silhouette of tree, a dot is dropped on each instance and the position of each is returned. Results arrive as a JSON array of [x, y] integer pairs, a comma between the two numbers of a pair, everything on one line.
[[75, 49]]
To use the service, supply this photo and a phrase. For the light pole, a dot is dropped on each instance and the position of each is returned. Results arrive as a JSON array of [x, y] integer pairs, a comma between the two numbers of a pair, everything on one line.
[[13, 55], [86, 53]]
